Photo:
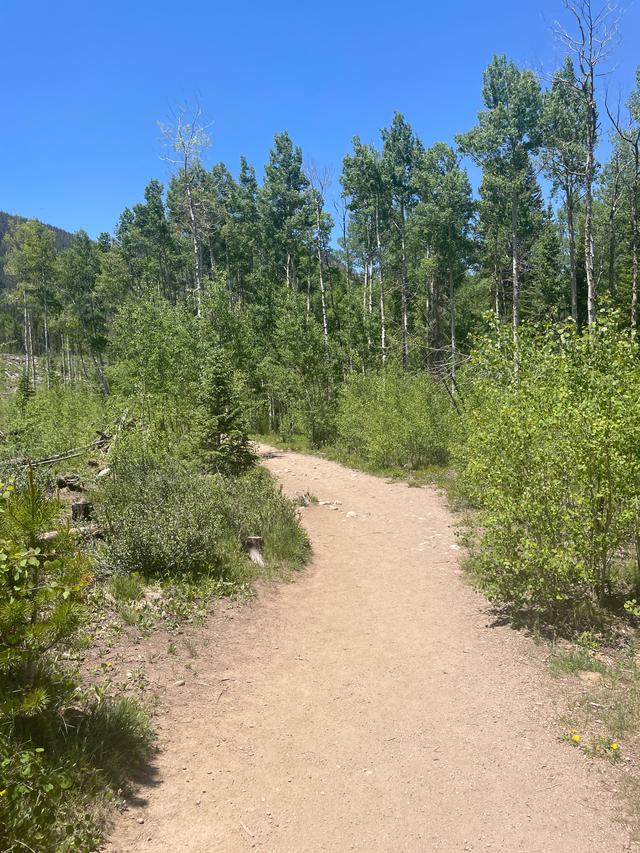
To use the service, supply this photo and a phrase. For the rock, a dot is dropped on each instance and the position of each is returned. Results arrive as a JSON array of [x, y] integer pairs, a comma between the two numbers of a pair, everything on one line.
[[49, 536], [352, 515], [104, 473], [180, 683], [589, 677], [92, 529], [140, 820]]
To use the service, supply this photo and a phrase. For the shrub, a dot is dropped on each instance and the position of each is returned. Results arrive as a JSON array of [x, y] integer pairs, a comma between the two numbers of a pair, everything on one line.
[[551, 457], [45, 802], [41, 585], [394, 420], [164, 521], [60, 751], [50, 421], [252, 504], [168, 520]]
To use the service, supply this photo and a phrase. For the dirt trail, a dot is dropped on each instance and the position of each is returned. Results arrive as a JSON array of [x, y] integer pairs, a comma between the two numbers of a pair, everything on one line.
[[367, 706]]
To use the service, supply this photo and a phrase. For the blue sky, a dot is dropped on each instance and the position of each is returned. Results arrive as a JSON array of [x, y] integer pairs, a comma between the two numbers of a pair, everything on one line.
[[84, 84]]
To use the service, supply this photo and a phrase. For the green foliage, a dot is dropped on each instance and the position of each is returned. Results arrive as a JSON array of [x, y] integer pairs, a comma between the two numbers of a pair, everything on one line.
[[24, 391], [168, 520], [113, 734], [41, 585], [42, 806], [551, 457], [60, 750], [394, 420], [53, 789], [296, 377], [163, 521], [153, 345], [221, 423], [52, 421], [126, 587], [253, 505]]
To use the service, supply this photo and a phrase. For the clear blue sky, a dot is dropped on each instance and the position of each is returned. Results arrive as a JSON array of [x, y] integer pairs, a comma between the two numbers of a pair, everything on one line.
[[84, 84]]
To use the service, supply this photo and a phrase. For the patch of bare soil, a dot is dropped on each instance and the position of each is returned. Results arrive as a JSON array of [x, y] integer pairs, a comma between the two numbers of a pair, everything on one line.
[[370, 705]]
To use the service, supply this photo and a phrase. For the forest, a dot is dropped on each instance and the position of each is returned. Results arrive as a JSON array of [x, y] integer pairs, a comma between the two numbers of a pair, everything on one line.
[[389, 317]]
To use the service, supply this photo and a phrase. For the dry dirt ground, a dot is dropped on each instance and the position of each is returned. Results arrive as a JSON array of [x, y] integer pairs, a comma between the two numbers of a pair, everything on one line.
[[369, 705]]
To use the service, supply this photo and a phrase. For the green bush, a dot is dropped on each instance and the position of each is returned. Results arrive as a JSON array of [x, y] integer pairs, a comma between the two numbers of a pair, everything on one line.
[[60, 751], [167, 520], [394, 420], [51, 421], [45, 801], [52, 790], [253, 505], [41, 584], [551, 457], [163, 521]]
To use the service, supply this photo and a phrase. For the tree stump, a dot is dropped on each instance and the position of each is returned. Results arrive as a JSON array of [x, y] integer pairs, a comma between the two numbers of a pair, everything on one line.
[[81, 510], [253, 547]]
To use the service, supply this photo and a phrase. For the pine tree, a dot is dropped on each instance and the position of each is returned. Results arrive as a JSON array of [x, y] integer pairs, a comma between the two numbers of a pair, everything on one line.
[[222, 428]]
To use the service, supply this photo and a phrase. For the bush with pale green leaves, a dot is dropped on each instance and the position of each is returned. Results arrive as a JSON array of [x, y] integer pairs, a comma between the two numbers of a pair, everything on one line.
[[550, 456]]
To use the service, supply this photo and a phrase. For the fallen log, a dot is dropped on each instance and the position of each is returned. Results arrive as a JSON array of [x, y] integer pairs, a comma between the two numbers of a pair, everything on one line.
[[58, 457], [103, 440]]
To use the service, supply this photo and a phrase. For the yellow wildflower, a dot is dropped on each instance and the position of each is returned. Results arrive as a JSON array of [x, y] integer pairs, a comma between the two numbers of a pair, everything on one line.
[[614, 746], [2, 793], [575, 737]]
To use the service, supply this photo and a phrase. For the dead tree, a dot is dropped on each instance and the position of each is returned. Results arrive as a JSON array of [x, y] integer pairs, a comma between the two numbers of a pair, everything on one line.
[[591, 44], [187, 138]]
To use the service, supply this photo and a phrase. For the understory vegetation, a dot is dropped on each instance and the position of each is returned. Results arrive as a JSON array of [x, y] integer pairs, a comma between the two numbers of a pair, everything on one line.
[[62, 747], [167, 480]]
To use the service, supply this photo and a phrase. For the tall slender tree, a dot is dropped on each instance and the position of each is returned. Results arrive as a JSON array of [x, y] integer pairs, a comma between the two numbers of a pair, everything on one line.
[[508, 133], [31, 259], [564, 156], [364, 183], [400, 154], [629, 141]]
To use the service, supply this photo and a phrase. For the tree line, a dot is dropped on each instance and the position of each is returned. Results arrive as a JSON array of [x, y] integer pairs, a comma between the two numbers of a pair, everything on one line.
[[418, 263]]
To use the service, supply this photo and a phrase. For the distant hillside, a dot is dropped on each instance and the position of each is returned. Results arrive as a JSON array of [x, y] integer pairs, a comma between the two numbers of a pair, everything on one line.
[[63, 239]]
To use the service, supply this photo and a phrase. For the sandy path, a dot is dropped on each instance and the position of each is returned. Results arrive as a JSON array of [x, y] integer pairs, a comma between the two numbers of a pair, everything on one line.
[[367, 706]]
